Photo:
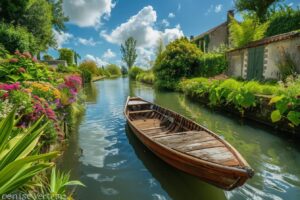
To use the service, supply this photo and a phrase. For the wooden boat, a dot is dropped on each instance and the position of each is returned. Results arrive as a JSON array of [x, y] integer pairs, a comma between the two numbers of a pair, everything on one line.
[[187, 145]]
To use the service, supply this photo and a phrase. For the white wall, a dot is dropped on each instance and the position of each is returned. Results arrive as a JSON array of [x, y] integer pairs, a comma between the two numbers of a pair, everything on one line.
[[273, 55]]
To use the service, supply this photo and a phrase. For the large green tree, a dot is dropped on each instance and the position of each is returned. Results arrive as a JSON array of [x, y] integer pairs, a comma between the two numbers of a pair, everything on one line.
[[259, 7], [39, 17], [128, 50]]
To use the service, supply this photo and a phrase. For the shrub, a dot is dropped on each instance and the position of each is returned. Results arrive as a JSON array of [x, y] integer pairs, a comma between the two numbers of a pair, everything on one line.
[[67, 55], [86, 76], [284, 20], [47, 57], [113, 70], [180, 59], [16, 38], [212, 64], [134, 71], [146, 77], [89, 65], [22, 67], [124, 70]]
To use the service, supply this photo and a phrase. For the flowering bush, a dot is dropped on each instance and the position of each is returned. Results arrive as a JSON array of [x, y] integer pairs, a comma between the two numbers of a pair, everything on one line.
[[69, 89], [43, 89], [21, 67]]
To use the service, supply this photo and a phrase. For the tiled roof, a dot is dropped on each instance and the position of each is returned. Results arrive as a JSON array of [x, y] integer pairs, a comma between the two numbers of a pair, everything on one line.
[[209, 31]]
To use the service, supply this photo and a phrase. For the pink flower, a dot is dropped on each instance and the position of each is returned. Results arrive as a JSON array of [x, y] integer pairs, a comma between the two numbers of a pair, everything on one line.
[[14, 60], [34, 59], [27, 54], [22, 70], [17, 52], [9, 87]]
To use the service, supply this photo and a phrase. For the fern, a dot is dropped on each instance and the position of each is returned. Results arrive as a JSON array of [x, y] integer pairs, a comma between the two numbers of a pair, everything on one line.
[[249, 30]]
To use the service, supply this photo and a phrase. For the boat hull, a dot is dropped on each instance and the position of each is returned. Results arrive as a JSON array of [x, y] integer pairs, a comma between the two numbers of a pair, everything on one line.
[[219, 177]]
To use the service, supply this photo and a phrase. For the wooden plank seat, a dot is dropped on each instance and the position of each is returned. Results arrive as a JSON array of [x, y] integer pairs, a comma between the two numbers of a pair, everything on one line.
[[140, 111]]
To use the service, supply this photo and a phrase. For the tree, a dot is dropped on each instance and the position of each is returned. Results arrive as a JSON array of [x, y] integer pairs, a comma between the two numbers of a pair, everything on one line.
[[59, 17], [113, 69], [76, 57], [37, 16], [128, 51], [67, 55], [47, 57], [259, 7], [38, 20]]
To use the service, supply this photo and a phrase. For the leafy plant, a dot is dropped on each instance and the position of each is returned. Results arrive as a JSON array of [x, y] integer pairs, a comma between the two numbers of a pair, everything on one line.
[[212, 64], [113, 70], [19, 159], [180, 59], [59, 181], [250, 29], [146, 77], [134, 72]]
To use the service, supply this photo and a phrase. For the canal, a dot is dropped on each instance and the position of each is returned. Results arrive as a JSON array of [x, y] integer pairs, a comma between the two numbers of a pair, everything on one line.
[[105, 155]]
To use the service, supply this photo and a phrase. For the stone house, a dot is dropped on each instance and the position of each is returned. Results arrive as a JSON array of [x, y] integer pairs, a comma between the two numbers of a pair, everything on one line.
[[259, 59], [215, 37]]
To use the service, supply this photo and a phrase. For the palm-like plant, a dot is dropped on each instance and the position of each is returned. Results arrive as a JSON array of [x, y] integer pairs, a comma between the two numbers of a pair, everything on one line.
[[59, 181], [19, 160]]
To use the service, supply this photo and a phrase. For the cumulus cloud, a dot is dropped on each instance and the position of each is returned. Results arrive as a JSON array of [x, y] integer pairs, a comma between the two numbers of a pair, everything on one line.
[[85, 13], [61, 37], [218, 8], [171, 15], [142, 27], [98, 60], [165, 22], [108, 54], [87, 42]]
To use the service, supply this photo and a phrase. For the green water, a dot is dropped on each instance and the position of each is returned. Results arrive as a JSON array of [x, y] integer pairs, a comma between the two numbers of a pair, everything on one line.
[[105, 155]]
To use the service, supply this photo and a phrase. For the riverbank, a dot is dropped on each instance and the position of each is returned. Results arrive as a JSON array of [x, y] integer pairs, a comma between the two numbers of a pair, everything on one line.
[[35, 98], [274, 105]]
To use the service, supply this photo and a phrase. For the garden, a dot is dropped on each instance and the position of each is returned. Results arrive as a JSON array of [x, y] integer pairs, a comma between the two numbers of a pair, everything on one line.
[[37, 107]]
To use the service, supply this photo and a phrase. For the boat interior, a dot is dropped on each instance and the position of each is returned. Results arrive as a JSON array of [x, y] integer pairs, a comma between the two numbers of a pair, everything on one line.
[[177, 132]]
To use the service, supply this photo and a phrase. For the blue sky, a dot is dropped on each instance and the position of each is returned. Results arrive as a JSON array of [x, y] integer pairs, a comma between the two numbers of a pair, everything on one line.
[[98, 27]]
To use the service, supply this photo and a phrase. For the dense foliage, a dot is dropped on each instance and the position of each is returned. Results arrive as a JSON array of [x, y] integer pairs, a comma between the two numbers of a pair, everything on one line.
[[283, 20], [22, 67], [250, 29], [128, 50], [113, 70], [37, 17], [212, 64], [179, 59], [18, 37], [134, 71], [146, 77], [67, 55], [260, 8], [243, 95]]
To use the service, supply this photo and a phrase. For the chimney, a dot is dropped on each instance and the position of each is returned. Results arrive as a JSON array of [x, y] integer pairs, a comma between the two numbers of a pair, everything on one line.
[[230, 13]]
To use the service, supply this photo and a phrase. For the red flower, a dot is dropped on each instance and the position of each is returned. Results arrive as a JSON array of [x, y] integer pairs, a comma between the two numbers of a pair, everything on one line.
[[22, 70], [27, 54], [14, 60]]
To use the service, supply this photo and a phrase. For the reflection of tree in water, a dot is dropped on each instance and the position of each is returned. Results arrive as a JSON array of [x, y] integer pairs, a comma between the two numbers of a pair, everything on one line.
[[177, 184], [91, 92]]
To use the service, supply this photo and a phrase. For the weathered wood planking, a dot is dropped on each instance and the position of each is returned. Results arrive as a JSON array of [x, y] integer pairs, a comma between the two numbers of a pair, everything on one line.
[[187, 145]]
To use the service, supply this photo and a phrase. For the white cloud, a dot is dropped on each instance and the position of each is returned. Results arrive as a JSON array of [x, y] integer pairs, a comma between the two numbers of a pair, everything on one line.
[[108, 54], [87, 42], [62, 37], [171, 15], [179, 7], [85, 13], [98, 60], [142, 27], [165, 22], [218, 8]]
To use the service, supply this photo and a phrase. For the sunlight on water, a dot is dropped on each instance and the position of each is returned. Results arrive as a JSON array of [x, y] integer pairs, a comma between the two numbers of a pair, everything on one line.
[[105, 155]]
